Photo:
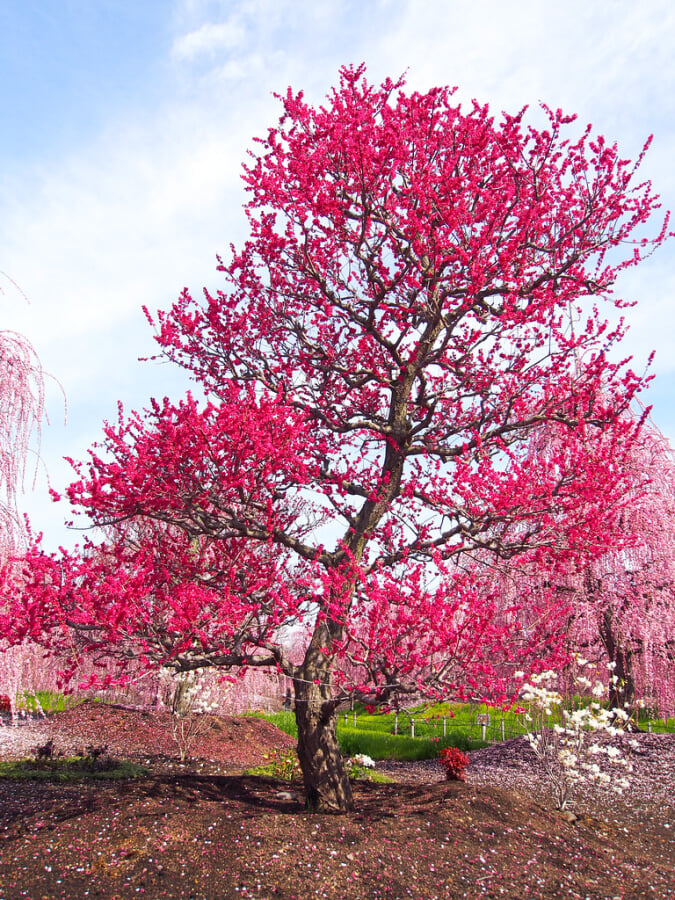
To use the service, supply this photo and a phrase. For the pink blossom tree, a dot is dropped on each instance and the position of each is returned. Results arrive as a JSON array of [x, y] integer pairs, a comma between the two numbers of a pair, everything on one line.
[[621, 602], [388, 341], [624, 607], [21, 411]]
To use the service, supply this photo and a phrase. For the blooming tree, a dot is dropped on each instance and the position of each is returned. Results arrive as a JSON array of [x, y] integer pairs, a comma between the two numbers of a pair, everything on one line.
[[624, 604], [387, 342], [21, 410], [621, 605]]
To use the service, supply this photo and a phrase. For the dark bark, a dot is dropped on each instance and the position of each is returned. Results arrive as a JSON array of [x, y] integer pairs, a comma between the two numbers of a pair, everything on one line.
[[621, 692], [326, 781], [180, 704]]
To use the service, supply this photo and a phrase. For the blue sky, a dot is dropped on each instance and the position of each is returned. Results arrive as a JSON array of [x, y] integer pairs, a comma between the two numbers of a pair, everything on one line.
[[125, 125]]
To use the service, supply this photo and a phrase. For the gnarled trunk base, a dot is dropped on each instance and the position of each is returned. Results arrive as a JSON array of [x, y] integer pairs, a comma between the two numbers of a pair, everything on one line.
[[326, 781]]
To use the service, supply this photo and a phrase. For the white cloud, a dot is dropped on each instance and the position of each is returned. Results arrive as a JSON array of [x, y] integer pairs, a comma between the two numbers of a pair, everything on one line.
[[138, 211], [208, 39], [129, 219]]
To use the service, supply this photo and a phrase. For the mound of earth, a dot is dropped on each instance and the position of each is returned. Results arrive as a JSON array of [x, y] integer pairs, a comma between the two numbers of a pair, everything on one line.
[[225, 742]]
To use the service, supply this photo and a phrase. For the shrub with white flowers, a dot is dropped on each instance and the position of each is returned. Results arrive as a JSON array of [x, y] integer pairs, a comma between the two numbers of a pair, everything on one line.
[[361, 759], [197, 697], [358, 764], [575, 750]]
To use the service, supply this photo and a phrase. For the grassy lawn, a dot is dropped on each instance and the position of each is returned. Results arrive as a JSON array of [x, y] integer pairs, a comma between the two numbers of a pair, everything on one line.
[[69, 768], [47, 701], [437, 726], [374, 735], [387, 735]]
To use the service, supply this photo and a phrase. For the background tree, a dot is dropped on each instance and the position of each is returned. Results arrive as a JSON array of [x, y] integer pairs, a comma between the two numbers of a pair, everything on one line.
[[21, 412], [621, 604], [391, 337], [625, 600]]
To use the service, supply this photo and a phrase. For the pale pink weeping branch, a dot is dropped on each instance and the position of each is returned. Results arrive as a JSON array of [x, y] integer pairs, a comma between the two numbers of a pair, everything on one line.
[[624, 604], [21, 411]]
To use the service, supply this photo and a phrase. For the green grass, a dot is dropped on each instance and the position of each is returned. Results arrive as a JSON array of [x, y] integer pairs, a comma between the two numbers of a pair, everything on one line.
[[379, 745], [47, 701], [69, 768], [453, 724], [285, 721], [52, 701], [373, 736], [280, 764], [271, 772], [283, 764], [659, 726], [374, 776]]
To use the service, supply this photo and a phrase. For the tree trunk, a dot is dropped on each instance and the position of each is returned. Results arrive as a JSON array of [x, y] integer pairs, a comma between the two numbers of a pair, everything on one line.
[[621, 692], [180, 704], [327, 784]]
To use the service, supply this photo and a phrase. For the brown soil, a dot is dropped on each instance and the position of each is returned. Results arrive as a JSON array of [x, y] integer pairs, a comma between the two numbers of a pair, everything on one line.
[[205, 831]]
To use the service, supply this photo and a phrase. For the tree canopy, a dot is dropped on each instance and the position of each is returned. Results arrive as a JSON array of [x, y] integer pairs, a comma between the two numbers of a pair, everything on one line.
[[418, 299]]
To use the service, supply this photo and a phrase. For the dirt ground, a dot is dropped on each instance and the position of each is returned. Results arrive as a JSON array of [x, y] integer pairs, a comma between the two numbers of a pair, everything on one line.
[[204, 831]]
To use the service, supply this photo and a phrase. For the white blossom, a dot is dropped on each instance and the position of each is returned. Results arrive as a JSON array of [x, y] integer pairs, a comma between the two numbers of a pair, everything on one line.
[[568, 755]]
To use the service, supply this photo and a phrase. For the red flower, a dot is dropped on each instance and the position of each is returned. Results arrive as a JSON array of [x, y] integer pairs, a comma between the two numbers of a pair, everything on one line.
[[454, 762]]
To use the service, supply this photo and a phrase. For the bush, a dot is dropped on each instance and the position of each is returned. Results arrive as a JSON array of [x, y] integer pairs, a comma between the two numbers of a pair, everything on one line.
[[281, 764], [454, 762]]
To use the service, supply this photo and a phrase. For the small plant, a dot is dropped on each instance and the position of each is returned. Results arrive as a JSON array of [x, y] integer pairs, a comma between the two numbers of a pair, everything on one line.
[[454, 762], [578, 751], [362, 760], [360, 766], [44, 751], [97, 759], [93, 752], [195, 700], [282, 764]]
